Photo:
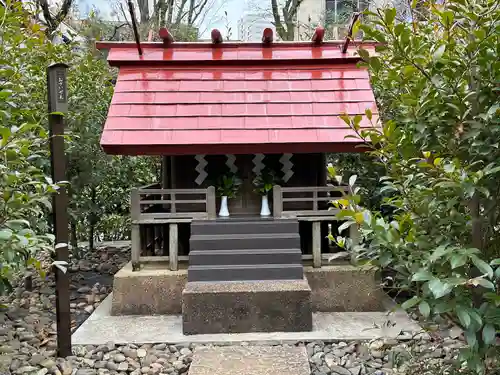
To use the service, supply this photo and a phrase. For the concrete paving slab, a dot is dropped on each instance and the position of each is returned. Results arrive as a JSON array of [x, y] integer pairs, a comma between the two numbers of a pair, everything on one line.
[[250, 360], [101, 327]]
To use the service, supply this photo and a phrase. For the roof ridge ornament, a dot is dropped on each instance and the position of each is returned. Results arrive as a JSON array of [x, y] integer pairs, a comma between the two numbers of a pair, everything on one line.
[[216, 36], [166, 36], [318, 35], [267, 36]]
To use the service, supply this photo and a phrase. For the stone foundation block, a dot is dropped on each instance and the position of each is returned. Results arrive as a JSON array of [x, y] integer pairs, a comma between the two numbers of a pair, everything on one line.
[[246, 306], [154, 290], [345, 288], [250, 360]]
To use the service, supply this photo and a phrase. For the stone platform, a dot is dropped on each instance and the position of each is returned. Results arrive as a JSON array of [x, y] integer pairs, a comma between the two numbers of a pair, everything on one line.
[[246, 306], [101, 327], [250, 360], [334, 288]]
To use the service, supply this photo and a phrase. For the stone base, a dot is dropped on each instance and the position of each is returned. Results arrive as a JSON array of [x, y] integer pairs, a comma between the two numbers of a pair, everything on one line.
[[246, 306], [250, 360], [157, 290], [154, 290], [338, 288]]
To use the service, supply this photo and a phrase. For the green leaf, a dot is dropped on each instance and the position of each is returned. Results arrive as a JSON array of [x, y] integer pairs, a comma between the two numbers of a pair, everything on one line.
[[438, 288], [375, 63], [5, 134], [483, 282], [352, 180], [424, 309], [345, 225], [458, 260], [5, 234], [495, 262], [355, 26], [17, 223], [346, 119], [389, 16], [482, 266], [408, 304], [471, 338], [363, 53], [422, 275], [368, 113], [463, 316], [492, 171], [399, 28], [489, 334], [449, 168], [438, 53]]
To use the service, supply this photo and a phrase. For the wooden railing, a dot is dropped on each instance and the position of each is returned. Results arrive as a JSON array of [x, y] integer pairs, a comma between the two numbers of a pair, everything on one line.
[[156, 214], [151, 205], [310, 204], [295, 202]]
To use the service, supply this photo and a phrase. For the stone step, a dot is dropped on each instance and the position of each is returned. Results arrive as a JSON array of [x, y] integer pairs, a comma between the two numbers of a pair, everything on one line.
[[245, 272], [246, 306], [245, 241], [246, 256], [243, 227], [250, 360]]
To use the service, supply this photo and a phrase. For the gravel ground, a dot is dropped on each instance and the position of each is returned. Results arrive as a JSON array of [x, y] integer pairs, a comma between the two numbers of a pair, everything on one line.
[[28, 345]]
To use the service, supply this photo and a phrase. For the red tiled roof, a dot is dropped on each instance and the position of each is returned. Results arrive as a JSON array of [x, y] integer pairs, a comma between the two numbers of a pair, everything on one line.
[[183, 101]]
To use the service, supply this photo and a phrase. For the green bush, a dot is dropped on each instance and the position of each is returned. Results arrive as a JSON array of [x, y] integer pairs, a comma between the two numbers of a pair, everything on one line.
[[436, 84]]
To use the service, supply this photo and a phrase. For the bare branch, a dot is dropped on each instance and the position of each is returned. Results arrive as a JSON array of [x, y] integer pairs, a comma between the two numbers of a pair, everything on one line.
[[144, 9], [180, 15], [46, 12], [277, 19], [53, 22], [201, 6], [191, 10], [116, 30], [63, 12], [170, 12]]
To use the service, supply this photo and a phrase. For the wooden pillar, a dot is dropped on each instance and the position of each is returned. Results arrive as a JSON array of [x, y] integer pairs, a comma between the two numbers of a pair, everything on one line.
[[322, 181], [322, 172], [316, 244], [211, 206], [57, 102], [150, 239], [165, 184], [173, 181], [165, 172], [173, 247], [137, 232], [135, 238], [277, 201]]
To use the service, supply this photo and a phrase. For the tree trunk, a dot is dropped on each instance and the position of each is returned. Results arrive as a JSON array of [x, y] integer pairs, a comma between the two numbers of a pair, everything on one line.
[[170, 13], [93, 218], [53, 21], [144, 10], [191, 12], [74, 235]]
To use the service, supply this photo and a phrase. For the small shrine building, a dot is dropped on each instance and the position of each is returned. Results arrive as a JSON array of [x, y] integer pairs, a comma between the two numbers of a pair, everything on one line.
[[236, 110]]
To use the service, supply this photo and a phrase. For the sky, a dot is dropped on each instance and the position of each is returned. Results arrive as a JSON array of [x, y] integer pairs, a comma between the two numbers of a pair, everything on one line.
[[216, 18]]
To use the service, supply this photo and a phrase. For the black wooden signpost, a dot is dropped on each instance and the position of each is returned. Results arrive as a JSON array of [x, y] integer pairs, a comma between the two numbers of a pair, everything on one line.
[[58, 106]]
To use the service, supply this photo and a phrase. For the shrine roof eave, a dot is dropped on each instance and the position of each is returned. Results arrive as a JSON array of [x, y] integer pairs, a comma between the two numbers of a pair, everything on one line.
[[216, 149], [231, 53]]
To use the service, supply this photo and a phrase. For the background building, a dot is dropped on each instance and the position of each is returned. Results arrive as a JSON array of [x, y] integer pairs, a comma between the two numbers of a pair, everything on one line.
[[251, 25], [334, 15]]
